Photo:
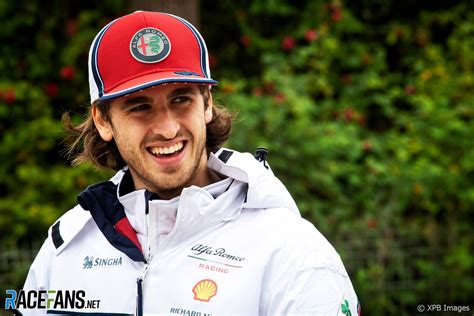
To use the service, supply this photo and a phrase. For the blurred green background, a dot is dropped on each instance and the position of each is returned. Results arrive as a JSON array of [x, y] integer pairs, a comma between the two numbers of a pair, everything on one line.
[[367, 107]]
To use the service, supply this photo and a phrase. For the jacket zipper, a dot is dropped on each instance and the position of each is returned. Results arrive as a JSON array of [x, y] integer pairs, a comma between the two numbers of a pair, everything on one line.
[[139, 297], [140, 290], [140, 279]]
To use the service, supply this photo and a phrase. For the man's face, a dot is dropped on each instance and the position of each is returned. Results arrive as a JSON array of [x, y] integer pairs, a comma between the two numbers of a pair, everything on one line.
[[161, 134]]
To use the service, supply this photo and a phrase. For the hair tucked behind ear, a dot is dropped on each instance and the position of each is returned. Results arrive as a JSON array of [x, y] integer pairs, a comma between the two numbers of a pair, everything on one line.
[[85, 144], [219, 128]]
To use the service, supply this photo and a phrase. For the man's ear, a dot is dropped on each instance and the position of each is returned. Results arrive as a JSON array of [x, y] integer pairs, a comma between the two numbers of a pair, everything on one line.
[[208, 113], [102, 124]]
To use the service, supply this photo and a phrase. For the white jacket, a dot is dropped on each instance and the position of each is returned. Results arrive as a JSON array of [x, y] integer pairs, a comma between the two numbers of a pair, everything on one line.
[[236, 247]]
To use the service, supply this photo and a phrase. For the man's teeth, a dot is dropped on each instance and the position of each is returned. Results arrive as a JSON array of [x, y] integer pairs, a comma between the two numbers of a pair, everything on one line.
[[167, 150]]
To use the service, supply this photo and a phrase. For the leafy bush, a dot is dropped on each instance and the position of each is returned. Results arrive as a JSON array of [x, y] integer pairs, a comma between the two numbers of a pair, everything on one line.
[[366, 107], [43, 62], [369, 119]]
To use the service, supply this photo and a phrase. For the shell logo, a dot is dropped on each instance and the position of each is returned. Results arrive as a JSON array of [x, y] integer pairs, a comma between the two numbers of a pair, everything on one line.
[[204, 290]]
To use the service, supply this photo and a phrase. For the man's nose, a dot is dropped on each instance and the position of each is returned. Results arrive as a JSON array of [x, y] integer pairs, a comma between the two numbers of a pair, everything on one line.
[[165, 124]]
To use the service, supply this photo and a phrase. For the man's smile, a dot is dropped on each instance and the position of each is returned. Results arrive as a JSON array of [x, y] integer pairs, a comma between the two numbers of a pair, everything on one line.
[[166, 150]]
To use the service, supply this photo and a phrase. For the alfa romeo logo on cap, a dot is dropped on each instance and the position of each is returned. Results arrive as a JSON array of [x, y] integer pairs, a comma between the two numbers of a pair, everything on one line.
[[150, 45]]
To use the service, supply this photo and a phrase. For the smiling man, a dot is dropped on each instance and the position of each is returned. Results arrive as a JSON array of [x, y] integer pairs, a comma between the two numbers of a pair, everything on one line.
[[185, 226], [161, 134]]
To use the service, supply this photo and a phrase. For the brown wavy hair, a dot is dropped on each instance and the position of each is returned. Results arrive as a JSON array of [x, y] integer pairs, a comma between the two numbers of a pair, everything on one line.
[[85, 144]]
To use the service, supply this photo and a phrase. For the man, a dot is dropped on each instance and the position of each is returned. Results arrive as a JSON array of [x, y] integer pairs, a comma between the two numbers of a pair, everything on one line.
[[185, 226]]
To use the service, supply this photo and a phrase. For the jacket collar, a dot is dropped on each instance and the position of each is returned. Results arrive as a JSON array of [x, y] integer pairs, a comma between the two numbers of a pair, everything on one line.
[[250, 185], [264, 189], [194, 210]]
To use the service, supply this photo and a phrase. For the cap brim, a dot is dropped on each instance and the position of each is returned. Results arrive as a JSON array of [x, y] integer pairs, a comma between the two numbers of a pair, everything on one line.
[[154, 79]]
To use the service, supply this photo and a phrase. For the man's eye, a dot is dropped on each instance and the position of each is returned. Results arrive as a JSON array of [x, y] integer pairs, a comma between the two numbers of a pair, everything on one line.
[[181, 99], [140, 107]]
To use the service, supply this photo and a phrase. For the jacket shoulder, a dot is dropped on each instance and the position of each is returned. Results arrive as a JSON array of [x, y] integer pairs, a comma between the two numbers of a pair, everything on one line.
[[296, 237], [69, 225]]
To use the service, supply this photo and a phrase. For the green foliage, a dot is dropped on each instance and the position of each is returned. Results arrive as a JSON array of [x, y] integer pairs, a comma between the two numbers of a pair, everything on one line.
[[368, 115], [366, 107], [43, 62]]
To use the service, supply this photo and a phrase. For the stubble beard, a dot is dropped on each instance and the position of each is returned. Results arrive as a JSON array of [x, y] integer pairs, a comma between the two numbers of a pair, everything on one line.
[[169, 182]]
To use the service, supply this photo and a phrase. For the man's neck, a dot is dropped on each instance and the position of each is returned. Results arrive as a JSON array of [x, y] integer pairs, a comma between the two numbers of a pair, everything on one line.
[[210, 177]]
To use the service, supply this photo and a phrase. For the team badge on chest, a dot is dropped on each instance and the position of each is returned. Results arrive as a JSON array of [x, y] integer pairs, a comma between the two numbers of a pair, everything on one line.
[[150, 45]]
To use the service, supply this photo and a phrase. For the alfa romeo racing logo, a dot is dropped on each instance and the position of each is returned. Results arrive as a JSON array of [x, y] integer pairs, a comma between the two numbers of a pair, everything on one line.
[[150, 45]]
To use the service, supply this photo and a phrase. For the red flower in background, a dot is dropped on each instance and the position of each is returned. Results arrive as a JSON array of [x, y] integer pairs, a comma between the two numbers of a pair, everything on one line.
[[212, 60], [71, 27], [336, 15], [372, 223], [409, 89], [257, 91], [346, 79], [348, 114], [245, 40], [9, 96], [335, 10], [52, 90], [67, 72], [367, 146], [288, 43], [311, 35], [279, 98], [361, 120]]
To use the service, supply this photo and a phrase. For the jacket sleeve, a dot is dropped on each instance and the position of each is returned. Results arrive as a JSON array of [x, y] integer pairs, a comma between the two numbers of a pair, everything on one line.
[[307, 277], [39, 274]]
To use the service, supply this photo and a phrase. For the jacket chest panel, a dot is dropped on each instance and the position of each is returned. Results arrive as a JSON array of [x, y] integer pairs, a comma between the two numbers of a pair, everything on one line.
[[105, 274], [209, 275]]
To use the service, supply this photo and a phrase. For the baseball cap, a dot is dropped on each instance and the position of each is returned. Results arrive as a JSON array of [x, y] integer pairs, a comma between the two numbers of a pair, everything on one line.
[[144, 49]]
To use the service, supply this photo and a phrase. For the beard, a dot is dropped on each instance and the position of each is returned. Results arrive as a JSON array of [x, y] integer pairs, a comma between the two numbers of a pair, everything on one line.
[[168, 181]]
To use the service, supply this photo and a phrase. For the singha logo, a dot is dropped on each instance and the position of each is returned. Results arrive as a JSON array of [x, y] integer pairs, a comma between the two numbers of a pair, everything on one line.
[[87, 262]]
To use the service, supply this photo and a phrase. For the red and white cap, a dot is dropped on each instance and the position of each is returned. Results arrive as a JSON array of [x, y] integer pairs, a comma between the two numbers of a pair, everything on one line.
[[145, 49]]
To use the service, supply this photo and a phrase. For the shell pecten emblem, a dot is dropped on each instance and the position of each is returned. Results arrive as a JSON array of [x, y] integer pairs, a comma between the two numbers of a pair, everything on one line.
[[204, 290]]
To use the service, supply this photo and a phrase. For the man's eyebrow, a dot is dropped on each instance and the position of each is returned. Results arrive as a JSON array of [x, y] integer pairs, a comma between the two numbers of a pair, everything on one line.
[[135, 100], [181, 91], [144, 99]]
